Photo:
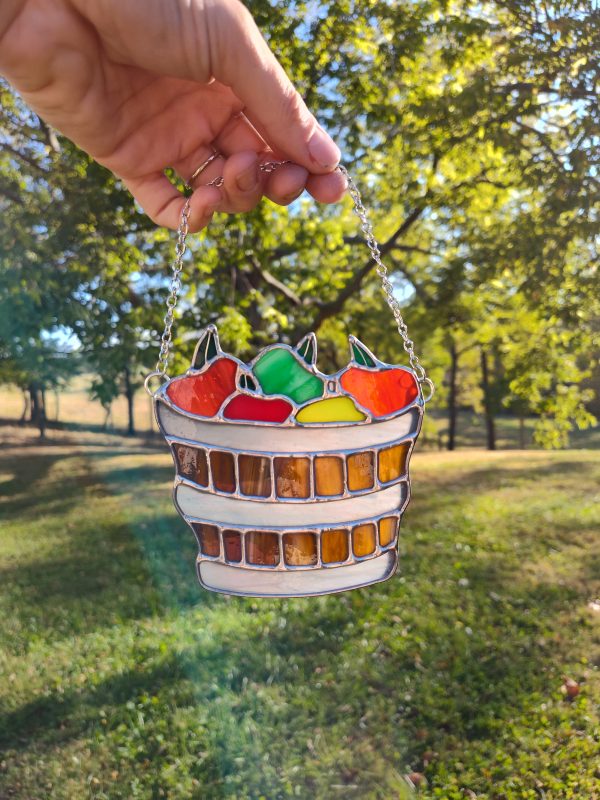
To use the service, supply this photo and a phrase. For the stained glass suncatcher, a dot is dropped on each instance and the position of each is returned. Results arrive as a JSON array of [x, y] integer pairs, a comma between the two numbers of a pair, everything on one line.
[[293, 481]]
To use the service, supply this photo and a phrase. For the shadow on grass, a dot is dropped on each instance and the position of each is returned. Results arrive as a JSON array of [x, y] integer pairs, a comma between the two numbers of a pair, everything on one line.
[[32, 492], [333, 658], [417, 660], [45, 715], [141, 476], [108, 565]]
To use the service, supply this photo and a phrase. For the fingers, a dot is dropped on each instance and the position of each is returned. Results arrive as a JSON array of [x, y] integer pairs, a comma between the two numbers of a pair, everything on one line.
[[163, 203], [283, 185], [244, 185], [271, 102], [327, 188]]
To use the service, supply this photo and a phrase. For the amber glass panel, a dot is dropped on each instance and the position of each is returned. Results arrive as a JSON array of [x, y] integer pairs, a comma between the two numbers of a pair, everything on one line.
[[300, 549], [208, 536], [392, 462], [292, 477], [255, 476], [223, 471], [262, 548], [363, 539], [388, 527], [334, 546], [192, 463], [329, 475], [361, 471], [232, 542]]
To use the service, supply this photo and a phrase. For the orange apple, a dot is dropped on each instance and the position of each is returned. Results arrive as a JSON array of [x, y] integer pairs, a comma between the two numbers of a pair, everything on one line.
[[383, 391]]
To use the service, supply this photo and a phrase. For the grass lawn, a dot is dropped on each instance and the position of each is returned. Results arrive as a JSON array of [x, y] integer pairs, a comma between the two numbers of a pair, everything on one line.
[[121, 678]]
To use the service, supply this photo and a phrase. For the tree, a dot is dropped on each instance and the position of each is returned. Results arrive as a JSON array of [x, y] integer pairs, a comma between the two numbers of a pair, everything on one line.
[[71, 246], [471, 131]]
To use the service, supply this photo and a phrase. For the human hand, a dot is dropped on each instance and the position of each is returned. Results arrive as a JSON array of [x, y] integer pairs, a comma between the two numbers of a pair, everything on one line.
[[142, 86]]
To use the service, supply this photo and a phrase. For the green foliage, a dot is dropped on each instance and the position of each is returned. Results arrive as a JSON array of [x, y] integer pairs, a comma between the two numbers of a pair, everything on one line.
[[121, 678], [472, 132]]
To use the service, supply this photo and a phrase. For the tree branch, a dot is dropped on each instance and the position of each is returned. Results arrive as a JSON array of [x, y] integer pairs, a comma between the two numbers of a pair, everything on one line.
[[274, 283], [27, 159], [331, 308]]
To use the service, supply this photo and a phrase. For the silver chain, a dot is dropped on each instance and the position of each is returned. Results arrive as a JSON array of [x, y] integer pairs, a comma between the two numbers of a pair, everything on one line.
[[386, 284], [361, 212], [176, 268]]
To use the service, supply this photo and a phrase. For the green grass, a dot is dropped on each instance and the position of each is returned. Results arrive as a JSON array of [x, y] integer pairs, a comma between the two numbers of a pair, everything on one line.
[[121, 678]]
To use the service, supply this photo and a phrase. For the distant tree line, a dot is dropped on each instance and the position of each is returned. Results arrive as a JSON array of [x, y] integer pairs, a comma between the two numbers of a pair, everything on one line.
[[472, 130]]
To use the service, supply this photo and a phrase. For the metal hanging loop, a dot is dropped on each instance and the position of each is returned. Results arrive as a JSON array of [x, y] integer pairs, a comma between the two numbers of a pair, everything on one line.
[[160, 371]]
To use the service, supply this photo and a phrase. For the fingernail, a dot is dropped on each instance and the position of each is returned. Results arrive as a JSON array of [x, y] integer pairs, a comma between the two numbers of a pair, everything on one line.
[[289, 198], [323, 150], [247, 180]]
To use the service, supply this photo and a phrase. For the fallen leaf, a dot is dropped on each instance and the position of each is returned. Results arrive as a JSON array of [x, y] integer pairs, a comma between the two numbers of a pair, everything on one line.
[[570, 688], [416, 779]]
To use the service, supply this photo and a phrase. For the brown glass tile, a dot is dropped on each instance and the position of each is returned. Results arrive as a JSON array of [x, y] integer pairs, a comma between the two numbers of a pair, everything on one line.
[[292, 477], [363, 539], [255, 475], [300, 549], [208, 536], [223, 471], [191, 463], [262, 548], [392, 462], [329, 475], [334, 546], [232, 544], [388, 527], [361, 471]]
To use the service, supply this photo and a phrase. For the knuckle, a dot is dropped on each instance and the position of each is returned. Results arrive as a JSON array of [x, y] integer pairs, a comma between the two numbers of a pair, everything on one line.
[[292, 108]]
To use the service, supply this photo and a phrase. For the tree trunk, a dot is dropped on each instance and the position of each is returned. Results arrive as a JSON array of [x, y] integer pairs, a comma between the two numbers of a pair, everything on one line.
[[107, 417], [38, 408], [490, 426], [129, 396], [26, 407], [42, 414], [522, 442], [57, 407], [452, 392], [33, 402]]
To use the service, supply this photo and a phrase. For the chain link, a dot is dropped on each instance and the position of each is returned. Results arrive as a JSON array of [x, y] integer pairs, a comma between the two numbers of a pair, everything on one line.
[[386, 285], [367, 229], [175, 288]]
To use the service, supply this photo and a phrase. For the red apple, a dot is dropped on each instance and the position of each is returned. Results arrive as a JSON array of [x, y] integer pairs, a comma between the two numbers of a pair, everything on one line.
[[381, 392], [257, 409], [204, 394]]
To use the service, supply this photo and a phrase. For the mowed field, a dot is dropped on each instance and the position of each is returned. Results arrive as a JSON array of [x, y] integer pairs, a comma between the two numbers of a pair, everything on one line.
[[73, 405], [121, 678]]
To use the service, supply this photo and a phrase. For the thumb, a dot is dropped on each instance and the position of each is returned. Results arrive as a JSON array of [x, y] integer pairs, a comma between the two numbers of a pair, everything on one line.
[[242, 60]]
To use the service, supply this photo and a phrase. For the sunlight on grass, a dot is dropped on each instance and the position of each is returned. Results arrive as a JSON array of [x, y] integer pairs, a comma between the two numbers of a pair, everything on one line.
[[122, 678]]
